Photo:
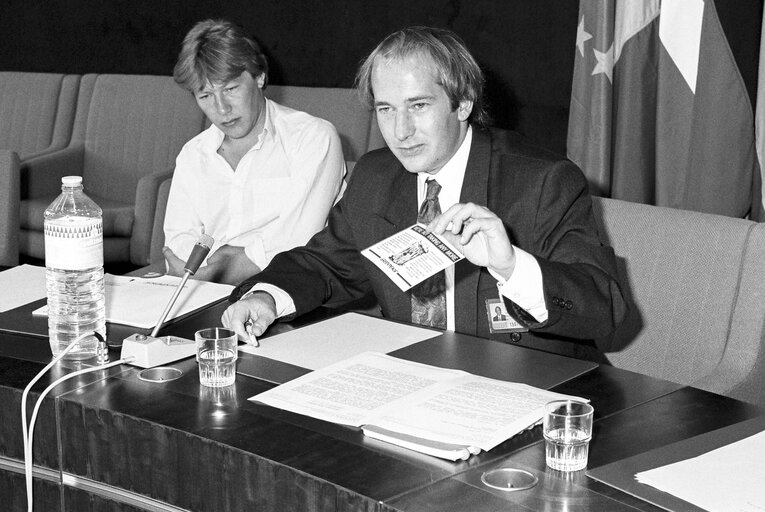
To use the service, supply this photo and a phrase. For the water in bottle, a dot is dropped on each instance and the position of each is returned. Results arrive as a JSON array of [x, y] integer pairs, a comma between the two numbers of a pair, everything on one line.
[[74, 261]]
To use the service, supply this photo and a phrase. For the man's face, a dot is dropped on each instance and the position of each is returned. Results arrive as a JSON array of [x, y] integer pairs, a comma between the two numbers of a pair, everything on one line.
[[236, 106], [415, 115]]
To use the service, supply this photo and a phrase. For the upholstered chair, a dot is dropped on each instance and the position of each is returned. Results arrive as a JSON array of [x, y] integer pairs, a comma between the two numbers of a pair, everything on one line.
[[128, 130]]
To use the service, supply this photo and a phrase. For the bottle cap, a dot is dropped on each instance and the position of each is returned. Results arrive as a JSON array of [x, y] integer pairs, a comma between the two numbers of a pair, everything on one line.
[[71, 181]]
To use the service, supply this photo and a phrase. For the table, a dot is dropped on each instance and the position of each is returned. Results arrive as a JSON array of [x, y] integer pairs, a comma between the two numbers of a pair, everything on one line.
[[110, 441]]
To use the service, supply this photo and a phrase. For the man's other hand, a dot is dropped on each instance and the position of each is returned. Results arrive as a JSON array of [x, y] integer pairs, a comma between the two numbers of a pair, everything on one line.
[[231, 264], [228, 264]]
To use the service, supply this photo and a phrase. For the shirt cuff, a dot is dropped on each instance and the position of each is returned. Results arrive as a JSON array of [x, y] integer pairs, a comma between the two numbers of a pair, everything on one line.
[[284, 304], [524, 287]]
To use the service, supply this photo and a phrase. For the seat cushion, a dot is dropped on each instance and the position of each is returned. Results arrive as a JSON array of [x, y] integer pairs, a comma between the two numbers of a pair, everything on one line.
[[117, 217]]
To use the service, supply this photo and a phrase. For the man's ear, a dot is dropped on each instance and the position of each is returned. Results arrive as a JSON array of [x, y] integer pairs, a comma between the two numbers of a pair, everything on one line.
[[464, 109]]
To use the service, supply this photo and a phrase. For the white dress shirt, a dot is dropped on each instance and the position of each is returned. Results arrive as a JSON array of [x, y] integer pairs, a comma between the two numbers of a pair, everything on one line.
[[278, 196], [524, 287]]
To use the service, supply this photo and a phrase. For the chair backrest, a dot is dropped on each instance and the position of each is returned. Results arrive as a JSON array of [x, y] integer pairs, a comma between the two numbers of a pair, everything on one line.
[[691, 279], [355, 124], [9, 208], [36, 111], [131, 126]]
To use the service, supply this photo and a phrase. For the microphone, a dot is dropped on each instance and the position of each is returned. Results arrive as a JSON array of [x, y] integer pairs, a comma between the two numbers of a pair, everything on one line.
[[198, 254], [150, 351]]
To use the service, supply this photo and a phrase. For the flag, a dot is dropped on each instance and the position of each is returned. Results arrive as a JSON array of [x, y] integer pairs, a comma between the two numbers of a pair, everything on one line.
[[659, 110], [759, 127]]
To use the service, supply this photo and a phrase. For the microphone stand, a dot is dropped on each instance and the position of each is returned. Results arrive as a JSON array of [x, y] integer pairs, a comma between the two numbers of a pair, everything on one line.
[[150, 351], [170, 304]]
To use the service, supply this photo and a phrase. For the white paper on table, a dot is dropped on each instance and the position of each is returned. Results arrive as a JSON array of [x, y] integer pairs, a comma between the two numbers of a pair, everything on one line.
[[412, 255], [329, 341], [350, 391], [414, 399], [138, 301], [729, 478], [27, 283]]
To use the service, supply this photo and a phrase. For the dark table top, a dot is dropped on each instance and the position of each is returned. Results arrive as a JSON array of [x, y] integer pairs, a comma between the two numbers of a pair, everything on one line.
[[201, 448]]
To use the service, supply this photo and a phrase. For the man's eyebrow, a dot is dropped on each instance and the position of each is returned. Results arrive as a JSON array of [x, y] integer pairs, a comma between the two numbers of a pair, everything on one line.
[[420, 98], [414, 99]]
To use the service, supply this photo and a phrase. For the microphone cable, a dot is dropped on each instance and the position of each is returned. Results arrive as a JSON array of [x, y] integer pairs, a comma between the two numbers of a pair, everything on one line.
[[28, 431]]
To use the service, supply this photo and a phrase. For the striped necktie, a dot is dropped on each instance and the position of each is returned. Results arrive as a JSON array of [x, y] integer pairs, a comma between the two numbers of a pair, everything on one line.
[[429, 297]]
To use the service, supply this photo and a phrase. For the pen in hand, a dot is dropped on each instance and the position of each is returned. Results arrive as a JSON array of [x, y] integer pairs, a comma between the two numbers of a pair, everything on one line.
[[252, 339]]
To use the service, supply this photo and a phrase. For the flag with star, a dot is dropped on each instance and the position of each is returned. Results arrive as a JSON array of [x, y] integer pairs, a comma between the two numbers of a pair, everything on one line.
[[659, 111]]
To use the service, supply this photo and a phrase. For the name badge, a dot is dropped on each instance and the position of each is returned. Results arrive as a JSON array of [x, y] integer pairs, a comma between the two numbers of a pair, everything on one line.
[[499, 319]]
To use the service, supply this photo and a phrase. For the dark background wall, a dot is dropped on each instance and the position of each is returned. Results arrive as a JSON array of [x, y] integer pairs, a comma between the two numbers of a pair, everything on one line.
[[526, 47]]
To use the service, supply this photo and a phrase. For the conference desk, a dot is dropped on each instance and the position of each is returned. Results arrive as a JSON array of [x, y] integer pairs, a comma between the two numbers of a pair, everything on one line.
[[111, 441]]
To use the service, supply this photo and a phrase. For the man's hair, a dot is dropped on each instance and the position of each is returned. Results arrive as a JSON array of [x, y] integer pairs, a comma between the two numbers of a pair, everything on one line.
[[217, 51], [458, 72]]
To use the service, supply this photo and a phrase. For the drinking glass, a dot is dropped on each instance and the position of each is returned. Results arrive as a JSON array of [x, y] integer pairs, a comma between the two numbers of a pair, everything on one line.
[[216, 355], [567, 428]]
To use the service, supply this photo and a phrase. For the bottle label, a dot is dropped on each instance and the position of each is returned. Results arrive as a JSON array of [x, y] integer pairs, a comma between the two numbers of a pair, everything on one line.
[[74, 243]]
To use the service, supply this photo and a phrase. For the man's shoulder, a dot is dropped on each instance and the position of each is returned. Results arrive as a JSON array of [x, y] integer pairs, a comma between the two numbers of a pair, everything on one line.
[[200, 141], [378, 158], [512, 143], [297, 120], [378, 164], [512, 150]]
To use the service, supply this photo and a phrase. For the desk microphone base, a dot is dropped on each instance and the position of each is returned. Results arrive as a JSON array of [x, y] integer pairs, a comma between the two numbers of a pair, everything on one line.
[[149, 351]]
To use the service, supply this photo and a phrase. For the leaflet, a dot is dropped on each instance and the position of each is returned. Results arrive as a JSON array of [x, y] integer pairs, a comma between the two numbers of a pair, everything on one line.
[[412, 255]]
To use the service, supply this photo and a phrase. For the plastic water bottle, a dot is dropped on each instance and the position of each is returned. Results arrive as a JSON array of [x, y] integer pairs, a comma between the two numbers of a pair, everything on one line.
[[74, 270]]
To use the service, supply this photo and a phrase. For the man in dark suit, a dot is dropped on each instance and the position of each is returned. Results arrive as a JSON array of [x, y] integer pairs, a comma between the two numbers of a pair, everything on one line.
[[521, 216]]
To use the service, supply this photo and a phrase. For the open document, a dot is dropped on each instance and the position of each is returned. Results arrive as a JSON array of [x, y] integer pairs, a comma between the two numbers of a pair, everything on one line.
[[446, 413], [412, 255], [728, 478], [138, 301]]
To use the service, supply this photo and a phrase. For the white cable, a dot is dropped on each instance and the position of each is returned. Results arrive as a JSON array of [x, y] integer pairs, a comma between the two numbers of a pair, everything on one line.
[[24, 428], [29, 434]]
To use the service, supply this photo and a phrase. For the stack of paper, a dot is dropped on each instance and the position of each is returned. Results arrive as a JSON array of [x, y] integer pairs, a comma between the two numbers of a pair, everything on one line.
[[446, 413]]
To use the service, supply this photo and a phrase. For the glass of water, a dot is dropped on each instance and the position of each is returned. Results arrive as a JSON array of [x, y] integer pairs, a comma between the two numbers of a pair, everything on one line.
[[567, 432], [216, 355]]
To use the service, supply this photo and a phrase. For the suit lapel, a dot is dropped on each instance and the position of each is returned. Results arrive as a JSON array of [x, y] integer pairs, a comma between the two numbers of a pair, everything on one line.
[[401, 212], [475, 189], [402, 209]]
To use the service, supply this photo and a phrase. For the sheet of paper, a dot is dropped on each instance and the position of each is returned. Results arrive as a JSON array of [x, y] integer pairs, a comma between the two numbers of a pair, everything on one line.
[[27, 283], [412, 255], [323, 343], [139, 302], [350, 391], [470, 410], [725, 479]]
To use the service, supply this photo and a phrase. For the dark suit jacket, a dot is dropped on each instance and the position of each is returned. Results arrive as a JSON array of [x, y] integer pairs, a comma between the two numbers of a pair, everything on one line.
[[544, 204]]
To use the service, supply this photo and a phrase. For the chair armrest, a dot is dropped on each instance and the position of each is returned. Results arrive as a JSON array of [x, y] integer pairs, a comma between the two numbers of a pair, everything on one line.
[[145, 209], [9, 208], [41, 175]]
